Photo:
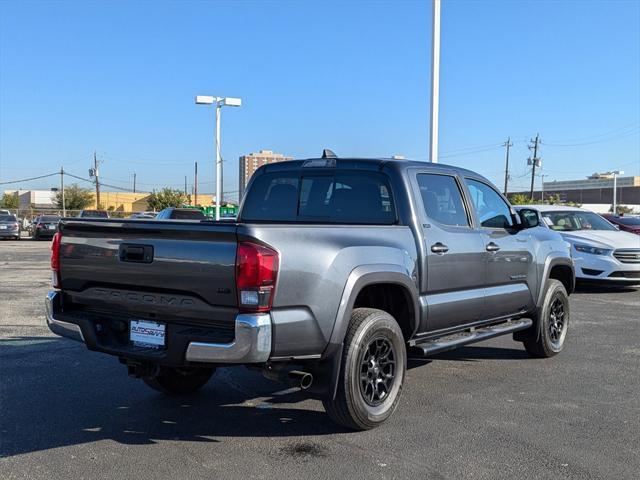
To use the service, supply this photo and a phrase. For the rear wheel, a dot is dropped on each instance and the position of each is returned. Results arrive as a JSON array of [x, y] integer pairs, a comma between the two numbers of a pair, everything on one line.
[[179, 381], [549, 331], [372, 371]]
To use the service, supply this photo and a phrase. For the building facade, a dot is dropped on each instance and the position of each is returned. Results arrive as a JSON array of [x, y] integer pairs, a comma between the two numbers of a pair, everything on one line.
[[128, 202], [594, 192], [250, 163]]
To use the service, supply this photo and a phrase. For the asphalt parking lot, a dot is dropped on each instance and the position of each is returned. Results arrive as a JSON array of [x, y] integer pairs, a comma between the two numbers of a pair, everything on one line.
[[484, 412]]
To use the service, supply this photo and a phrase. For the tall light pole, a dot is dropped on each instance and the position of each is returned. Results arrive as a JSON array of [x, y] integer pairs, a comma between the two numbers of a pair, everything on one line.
[[219, 102], [615, 174], [435, 82]]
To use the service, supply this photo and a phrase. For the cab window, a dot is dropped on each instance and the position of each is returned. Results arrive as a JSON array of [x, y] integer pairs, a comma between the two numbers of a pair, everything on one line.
[[492, 210], [442, 199]]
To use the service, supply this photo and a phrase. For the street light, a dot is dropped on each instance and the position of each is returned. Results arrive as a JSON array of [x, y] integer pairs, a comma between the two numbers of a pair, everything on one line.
[[615, 174], [219, 102]]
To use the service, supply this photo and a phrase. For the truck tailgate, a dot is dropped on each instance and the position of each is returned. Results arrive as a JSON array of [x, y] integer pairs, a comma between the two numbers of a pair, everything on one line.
[[170, 271]]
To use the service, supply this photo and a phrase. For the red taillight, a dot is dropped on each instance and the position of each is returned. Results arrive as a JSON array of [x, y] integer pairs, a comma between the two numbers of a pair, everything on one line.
[[256, 273], [55, 260]]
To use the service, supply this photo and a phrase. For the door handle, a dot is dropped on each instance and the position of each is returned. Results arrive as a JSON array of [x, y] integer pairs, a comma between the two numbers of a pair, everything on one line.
[[439, 248], [492, 247]]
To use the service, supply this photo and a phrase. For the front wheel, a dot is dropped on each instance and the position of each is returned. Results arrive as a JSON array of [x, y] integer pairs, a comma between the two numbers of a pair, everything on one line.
[[372, 371], [179, 381], [549, 330]]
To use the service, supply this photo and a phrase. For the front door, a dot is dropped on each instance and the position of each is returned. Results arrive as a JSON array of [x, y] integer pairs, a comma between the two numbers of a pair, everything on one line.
[[452, 293], [511, 273]]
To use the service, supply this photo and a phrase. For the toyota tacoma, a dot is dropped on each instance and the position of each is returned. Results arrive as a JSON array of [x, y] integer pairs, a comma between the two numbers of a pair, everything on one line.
[[334, 272]]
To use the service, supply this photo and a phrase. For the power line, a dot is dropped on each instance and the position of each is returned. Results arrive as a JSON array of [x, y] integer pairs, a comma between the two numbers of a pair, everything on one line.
[[628, 133], [29, 179], [605, 134]]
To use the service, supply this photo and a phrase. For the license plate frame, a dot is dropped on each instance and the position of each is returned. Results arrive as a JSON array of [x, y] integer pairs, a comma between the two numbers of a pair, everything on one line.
[[147, 333]]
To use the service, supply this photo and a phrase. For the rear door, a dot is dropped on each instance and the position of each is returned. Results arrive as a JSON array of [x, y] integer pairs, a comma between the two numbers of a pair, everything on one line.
[[453, 291], [508, 252]]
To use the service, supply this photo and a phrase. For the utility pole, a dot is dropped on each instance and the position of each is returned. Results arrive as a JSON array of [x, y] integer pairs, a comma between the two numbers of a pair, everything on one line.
[[185, 184], [534, 162], [64, 207], [97, 175], [507, 144], [134, 182], [435, 82], [195, 187]]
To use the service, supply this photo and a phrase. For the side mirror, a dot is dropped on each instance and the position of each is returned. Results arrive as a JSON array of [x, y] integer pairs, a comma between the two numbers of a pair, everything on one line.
[[529, 218]]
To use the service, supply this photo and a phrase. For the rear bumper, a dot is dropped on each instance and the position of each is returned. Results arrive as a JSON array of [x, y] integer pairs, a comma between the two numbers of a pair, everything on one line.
[[59, 327], [251, 344]]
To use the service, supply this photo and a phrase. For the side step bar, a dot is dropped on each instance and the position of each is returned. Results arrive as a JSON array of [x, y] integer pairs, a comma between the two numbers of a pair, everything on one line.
[[450, 342]]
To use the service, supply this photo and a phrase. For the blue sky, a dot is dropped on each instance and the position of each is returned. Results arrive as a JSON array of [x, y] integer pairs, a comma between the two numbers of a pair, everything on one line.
[[120, 77]]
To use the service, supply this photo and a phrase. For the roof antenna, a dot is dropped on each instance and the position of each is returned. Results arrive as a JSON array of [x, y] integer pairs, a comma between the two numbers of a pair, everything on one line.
[[326, 153]]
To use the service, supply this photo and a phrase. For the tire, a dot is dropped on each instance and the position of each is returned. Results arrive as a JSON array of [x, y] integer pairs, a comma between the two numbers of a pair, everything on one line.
[[358, 405], [545, 340], [179, 381]]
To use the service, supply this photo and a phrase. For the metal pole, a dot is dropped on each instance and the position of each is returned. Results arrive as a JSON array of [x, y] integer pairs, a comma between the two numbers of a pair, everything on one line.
[[218, 161], [134, 182], [435, 82], [195, 187], [95, 166], [64, 207], [534, 162], [507, 144], [615, 185]]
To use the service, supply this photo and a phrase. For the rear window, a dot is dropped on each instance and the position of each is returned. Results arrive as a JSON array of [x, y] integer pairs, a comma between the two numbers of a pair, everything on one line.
[[336, 197], [628, 221], [187, 215], [8, 218], [49, 218], [94, 214]]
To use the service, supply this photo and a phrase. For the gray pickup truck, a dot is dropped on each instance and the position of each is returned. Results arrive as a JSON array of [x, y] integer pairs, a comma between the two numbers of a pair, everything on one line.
[[334, 272]]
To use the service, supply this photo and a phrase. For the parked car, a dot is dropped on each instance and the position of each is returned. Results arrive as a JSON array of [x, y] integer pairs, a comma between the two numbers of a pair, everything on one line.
[[180, 214], [334, 269], [624, 222], [93, 214], [600, 251], [147, 215], [9, 227], [44, 226]]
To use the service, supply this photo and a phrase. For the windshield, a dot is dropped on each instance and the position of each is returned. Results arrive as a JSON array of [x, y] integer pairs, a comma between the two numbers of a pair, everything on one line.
[[187, 215], [7, 218], [575, 220]]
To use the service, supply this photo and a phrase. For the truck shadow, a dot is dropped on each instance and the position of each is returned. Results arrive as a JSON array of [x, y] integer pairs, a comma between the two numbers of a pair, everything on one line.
[[58, 394]]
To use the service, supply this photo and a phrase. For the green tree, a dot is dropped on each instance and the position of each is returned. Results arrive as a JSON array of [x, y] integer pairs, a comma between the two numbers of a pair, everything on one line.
[[10, 200], [519, 199], [167, 197], [75, 197], [621, 209]]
